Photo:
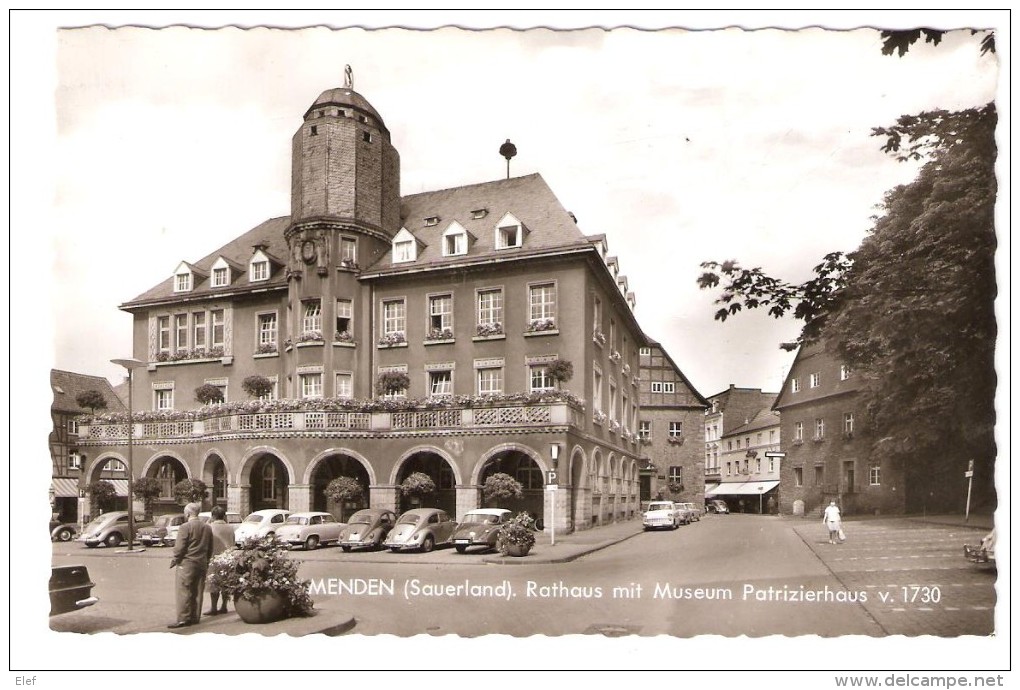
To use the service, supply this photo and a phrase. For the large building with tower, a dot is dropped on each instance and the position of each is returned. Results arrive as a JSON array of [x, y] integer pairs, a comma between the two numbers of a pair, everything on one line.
[[455, 333]]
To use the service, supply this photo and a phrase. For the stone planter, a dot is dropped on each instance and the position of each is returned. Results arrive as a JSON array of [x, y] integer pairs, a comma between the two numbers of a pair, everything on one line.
[[265, 608], [517, 550]]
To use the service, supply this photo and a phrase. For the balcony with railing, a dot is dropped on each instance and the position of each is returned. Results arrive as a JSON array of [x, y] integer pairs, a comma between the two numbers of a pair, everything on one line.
[[288, 417]]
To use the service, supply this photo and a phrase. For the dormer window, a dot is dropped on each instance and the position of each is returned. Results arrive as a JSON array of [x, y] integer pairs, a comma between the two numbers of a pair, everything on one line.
[[220, 273], [183, 278], [509, 233], [479, 213], [455, 240], [431, 221], [405, 248], [258, 268]]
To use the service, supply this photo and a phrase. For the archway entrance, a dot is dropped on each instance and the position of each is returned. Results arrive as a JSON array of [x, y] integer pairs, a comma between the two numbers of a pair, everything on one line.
[[525, 470], [215, 477], [439, 471], [268, 481], [167, 471], [114, 472], [327, 470]]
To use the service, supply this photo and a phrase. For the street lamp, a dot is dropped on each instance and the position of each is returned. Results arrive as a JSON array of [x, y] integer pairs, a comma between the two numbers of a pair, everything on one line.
[[760, 489], [130, 365]]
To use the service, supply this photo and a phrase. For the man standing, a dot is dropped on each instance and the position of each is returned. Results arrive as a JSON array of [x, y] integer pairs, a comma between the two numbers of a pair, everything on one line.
[[192, 551]]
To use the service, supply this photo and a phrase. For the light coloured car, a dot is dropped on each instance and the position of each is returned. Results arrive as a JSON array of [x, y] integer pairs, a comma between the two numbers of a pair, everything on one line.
[[717, 506], [261, 523], [479, 527], [231, 518], [421, 529], [109, 528], [692, 512], [367, 529], [310, 530], [661, 515]]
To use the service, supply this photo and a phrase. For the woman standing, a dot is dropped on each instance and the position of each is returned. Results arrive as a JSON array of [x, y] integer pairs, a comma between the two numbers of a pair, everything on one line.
[[832, 521]]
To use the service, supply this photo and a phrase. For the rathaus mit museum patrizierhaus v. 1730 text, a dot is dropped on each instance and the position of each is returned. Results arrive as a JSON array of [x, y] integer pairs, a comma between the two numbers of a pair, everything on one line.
[[455, 333]]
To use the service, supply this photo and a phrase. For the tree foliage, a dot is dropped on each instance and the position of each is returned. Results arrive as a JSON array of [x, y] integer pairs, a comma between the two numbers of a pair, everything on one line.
[[147, 488], [190, 491], [92, 399], [343, 489], [392, 382], [500, 486], [102, 493], [899, 42], [417, 485]]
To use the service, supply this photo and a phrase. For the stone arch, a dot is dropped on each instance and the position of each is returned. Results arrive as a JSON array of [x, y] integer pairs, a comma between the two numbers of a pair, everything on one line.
[[247, 460], [169, 468], [147, 466], [330, 464], [580, 509], [329, 452], [216, 474], [265, 475], [95, 466], [476, 472], [434, 462]]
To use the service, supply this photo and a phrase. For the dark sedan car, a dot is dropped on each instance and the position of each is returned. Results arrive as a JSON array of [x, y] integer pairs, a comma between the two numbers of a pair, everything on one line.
[[480, 527], [367, 529]]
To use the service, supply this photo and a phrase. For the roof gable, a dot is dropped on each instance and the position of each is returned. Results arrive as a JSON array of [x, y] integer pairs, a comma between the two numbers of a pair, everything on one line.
[[67, 385]]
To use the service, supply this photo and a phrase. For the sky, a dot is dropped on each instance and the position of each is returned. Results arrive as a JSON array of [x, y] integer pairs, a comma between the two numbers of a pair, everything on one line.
[[137, 148]]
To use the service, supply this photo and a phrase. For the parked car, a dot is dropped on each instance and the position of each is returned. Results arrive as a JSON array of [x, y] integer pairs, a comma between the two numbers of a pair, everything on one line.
[[232, 518], [422, 529], [480, 527], [158, 534], [70, 589], [367, 529], [310, 530], [261, 523], [692, 511], [62, 531], [661, 514], [716, 505], [109, 528]]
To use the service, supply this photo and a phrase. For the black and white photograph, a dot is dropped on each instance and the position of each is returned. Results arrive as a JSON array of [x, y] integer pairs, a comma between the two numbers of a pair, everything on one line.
[[666, 341]]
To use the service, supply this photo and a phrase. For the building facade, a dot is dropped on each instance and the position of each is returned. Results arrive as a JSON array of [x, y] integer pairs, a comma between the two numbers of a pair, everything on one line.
[[749, 465], [827, 445], [672, 418], [456, 333], [729, 409], [66, 454]]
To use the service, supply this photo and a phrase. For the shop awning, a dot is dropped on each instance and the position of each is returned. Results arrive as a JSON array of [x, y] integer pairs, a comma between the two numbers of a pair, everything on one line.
[[122, 488], [743, 488], [710, 489], [65, 487]]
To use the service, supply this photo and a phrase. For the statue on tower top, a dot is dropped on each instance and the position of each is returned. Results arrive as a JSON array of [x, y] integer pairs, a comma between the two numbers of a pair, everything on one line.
[[348, 77]]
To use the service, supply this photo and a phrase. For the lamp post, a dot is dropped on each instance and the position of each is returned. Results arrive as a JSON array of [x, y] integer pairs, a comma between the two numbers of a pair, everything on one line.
[[760, 489], [130, 365], [554, 453]]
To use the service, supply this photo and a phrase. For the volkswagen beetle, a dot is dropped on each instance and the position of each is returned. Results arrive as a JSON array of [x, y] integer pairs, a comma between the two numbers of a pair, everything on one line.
[[367, 529], [421, 529]]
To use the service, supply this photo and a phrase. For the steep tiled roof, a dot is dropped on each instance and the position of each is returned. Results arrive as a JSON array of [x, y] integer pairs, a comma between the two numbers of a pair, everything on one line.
[[762, 419], [548, 225], [237, 252], [66, 386]]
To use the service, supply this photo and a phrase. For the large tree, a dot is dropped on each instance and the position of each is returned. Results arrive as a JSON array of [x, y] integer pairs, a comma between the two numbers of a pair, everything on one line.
[[912, 309]]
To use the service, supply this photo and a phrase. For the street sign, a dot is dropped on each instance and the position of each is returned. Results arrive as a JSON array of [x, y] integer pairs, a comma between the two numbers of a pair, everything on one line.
[[968, 474], [550, 477], [774, 454], [551, 487]]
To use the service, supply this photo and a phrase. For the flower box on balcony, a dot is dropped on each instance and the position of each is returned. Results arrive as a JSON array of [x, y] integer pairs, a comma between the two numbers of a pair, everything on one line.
[[541, 327], [489, 330], [598, 338], [438, 335], [343, 337], [396, 339]]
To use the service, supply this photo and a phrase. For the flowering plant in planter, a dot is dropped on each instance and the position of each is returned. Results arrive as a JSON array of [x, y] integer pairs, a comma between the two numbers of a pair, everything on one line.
[[678, 440], [258, 567], [599, 417], [518, 532], [418, 485], [310, 337], [439, 334], [599, 337], [266, 349], [486, 329], [343, 337], [541, 325], [395, 338], [615, 356]]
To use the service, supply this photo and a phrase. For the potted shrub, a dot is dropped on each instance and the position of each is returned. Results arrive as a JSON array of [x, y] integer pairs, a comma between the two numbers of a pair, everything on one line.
[[147, 488], [102, 493], [207, 394], [257, 386], [561, 370], [343, 489], [190, 491], [92, 399], [516, 536], [417, 486], [262, 581], [392, 382]]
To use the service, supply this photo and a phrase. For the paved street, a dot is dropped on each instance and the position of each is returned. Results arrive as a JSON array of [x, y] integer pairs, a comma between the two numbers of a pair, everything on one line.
[[728, 575]]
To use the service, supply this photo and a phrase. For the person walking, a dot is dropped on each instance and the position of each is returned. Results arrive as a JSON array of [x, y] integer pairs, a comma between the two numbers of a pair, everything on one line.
[[832, 521], [223, 539], [192, 551]]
